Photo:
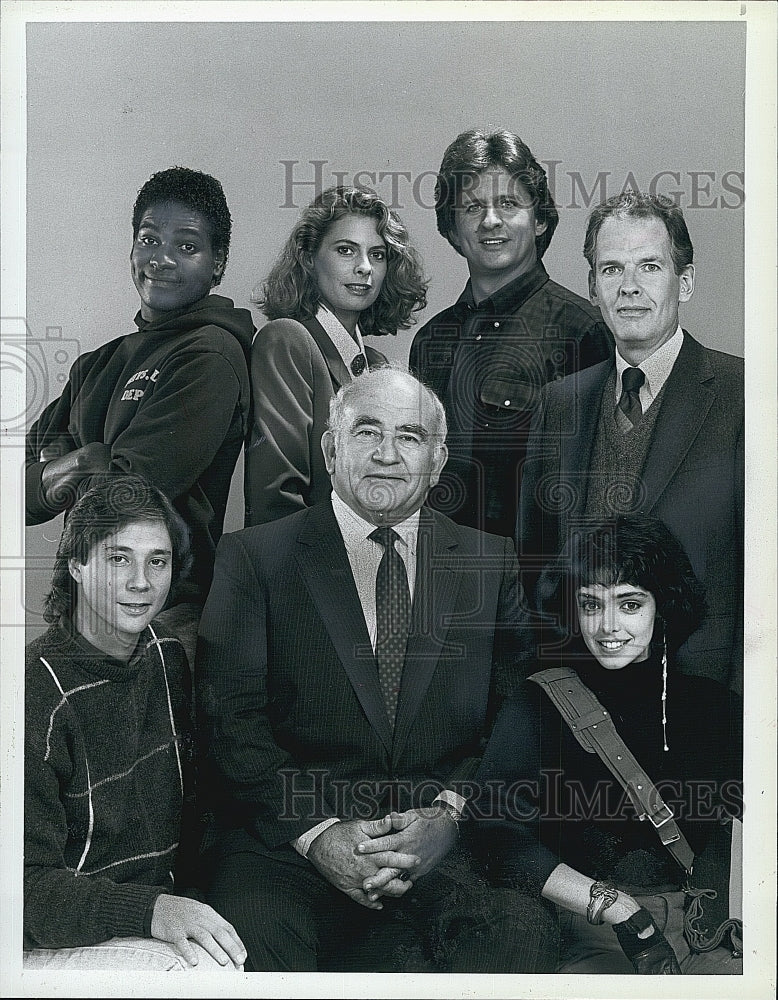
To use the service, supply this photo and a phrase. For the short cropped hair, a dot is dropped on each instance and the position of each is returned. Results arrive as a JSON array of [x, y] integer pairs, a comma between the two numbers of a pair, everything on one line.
[[371, 377], [476, 150], [199, 192], [110, 505], [634, 205], [290, 290], [631, 549]]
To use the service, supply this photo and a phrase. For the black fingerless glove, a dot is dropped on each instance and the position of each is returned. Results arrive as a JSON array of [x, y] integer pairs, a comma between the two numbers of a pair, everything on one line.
[[650, 956]]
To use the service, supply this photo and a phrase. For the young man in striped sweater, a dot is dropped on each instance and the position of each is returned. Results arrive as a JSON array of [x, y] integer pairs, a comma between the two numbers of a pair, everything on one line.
[[109, 831]]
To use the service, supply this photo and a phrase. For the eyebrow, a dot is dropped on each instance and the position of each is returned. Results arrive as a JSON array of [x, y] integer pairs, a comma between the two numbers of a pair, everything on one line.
[[649, 259], [365, 421], [353, 243], [414, 429], [126, 548], [183, 231], [586, 592]]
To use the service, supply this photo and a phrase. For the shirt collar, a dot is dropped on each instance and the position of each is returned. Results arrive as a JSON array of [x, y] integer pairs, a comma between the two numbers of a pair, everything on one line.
[[656, 367], [347, 347], [355, 529], [508, 298]]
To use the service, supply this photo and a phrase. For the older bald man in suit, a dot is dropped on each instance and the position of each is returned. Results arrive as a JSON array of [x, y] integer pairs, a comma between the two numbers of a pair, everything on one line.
[[352, 659]]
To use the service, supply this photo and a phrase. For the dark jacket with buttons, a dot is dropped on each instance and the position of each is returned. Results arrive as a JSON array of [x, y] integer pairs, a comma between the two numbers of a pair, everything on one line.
[[488, 363]]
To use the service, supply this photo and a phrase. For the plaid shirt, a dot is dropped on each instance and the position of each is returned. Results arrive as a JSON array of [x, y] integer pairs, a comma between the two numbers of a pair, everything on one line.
[[488, 363]]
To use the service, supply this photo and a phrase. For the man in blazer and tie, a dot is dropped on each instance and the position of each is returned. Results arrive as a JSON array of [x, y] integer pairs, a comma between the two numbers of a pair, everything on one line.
[[352, 658], [659, 430]]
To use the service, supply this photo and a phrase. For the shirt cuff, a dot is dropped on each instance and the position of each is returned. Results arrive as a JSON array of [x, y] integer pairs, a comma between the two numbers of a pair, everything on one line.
[[449, 798], [303, 843]]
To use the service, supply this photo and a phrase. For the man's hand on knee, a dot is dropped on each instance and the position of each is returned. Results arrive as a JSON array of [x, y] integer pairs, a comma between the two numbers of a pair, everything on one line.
[[176, 919], [429, 833], [334, 854]]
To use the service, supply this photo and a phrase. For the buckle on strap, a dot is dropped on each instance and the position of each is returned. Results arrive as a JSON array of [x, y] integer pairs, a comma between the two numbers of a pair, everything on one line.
[[663, 815]]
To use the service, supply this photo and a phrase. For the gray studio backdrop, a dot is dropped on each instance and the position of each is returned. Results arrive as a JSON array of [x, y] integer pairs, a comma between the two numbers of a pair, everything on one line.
[[276, 110]]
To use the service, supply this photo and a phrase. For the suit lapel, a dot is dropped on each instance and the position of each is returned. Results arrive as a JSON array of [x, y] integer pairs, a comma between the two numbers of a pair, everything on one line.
[[688, 397], [577, 439], [337, 369], [339, 374], [324, 566], [434, 602]]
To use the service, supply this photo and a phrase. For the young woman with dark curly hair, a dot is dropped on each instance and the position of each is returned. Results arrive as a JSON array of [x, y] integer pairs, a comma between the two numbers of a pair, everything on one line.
[[348, 270], [618, 602]]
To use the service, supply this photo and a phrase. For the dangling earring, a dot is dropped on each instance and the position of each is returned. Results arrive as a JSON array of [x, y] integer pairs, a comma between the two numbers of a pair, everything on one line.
[[664, 694]]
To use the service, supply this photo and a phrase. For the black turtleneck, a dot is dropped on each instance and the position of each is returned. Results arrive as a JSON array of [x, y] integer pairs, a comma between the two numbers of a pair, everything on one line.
[[567, 800]]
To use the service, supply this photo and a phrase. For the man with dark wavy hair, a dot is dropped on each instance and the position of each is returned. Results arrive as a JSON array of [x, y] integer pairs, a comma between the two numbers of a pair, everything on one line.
[[512, 329]]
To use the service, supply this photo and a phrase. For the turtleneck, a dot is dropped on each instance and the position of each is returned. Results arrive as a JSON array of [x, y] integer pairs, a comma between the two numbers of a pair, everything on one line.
[[633, 696], [94, 661]]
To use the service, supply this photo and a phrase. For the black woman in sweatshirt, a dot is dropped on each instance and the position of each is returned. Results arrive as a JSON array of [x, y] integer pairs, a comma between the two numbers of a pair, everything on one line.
[[171, 401]]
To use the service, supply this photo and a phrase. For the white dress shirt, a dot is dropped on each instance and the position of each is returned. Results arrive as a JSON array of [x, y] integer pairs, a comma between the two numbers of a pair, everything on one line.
[[364, 555], [348, 347], [656, 367]]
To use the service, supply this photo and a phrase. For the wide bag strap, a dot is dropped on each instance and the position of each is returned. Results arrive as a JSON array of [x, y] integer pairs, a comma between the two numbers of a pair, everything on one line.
[[593, 727]]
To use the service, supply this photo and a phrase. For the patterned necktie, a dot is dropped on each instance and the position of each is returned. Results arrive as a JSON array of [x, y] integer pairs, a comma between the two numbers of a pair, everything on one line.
[[358, 365], [393, 617], [629, 410]]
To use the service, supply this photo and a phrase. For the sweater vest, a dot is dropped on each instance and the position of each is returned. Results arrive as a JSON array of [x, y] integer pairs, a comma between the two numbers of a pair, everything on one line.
[[614, 484]]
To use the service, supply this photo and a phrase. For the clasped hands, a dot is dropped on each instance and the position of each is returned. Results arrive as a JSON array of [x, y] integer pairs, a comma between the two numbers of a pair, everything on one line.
[[367, 859]]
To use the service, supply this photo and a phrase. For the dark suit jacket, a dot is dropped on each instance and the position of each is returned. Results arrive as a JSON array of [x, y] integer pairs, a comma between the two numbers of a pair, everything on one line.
[[295, 372], [288, 684], [693, 480]]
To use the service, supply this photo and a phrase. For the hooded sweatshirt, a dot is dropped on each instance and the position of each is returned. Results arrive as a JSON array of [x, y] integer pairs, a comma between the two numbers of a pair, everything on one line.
[[172, 401]]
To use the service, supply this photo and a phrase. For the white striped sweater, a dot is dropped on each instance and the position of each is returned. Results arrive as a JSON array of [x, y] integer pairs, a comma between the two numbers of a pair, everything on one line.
[[107, 752]]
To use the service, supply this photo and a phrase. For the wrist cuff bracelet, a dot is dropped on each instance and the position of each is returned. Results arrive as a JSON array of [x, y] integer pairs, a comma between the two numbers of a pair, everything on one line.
[[601, 896]]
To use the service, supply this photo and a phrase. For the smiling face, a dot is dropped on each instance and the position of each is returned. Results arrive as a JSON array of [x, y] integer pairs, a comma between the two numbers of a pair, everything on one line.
[[350, 267], [173, 261], [123, 585], [386, 454], [617, 622], [635, 285], [495, 229]]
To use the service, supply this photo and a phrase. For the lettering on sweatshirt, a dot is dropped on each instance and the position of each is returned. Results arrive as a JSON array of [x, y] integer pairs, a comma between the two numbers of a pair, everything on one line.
[[135, 394]]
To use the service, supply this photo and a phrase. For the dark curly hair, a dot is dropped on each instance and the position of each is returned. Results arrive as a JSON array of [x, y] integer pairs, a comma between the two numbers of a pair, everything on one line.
[[199, 192], [634, 205], [632, 549], [290, 290], [110, 505], [476, 150]]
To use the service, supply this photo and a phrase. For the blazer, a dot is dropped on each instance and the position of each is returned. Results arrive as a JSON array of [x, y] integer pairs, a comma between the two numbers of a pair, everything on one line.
[[288, 685], [295, 372], [693, 480]]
